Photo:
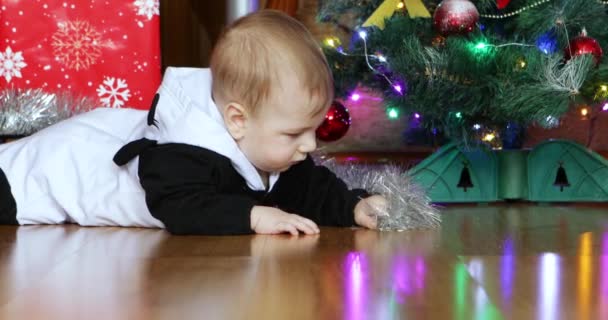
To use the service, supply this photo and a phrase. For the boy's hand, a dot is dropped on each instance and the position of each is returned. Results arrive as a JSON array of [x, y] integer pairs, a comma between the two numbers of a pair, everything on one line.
[[269, 220], [368, 210]]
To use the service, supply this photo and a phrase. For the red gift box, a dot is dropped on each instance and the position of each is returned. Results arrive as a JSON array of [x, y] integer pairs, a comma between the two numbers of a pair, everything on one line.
[[108, 50]]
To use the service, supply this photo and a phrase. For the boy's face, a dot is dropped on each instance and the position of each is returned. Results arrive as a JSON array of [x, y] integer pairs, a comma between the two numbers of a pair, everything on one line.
[[282, 132]]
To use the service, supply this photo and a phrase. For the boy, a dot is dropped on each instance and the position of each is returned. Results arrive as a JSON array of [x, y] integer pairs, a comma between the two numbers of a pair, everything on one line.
[[228, 156]]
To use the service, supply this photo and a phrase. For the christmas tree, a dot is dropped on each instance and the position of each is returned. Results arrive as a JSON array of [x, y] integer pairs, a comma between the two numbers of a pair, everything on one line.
[[473, 70]]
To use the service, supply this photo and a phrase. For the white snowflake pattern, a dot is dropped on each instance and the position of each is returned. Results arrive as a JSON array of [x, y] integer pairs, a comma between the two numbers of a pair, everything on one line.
[[147, 8], [77, 44], [11, 64], [113, 92]]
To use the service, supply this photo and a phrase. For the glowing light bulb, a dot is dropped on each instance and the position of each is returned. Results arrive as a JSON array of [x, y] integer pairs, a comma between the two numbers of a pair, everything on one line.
[[480, 45], [393, 113]]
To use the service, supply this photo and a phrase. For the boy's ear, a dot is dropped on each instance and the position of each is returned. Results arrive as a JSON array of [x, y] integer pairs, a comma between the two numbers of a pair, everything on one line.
[[235, 119]]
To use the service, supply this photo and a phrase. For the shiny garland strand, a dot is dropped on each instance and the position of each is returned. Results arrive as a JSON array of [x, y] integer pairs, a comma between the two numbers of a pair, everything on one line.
[[516, 12]]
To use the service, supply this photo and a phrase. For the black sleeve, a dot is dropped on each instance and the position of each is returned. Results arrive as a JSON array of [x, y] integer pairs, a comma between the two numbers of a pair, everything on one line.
[[318, 194], [182, 185], [8, 206]]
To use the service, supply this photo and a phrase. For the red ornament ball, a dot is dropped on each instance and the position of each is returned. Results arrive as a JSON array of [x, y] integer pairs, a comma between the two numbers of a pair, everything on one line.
[[336, 123], [584, 45], [455, 17]]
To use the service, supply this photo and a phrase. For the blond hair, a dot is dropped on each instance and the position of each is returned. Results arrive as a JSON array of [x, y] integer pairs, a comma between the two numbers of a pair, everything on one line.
[[246, 63]]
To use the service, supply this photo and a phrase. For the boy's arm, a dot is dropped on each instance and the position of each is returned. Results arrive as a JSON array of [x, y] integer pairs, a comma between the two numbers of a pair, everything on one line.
[[181, 184], [318, 194]]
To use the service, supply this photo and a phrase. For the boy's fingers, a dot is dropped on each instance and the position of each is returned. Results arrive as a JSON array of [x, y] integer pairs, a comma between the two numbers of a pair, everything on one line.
[[304, 227], [283, 227], [291, 229], [379, 209], [378, 204], [369, 222], [313, 226], [305, 223]]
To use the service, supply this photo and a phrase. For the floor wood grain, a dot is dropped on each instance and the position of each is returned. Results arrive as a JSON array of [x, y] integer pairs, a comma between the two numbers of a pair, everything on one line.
[[492, 262]]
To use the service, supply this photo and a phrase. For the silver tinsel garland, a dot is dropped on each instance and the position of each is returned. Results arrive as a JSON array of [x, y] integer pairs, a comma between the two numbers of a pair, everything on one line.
[[26, 111], [408, 205]]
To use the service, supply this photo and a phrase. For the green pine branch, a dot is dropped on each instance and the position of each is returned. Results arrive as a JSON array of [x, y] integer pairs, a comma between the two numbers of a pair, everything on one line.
[[489, 77]]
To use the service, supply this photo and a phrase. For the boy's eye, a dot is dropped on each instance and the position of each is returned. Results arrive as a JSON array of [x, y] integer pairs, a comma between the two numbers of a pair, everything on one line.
[[293, 135]]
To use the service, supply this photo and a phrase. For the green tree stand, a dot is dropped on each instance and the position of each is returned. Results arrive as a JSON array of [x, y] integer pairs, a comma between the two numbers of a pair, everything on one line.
[[554, 171], [454, 175], [560, 171]]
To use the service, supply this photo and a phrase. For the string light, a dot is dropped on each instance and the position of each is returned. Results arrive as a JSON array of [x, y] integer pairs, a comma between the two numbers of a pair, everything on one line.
[[547, 43], [378, 57], [355, 97], [481, 45], [332, 42], [522, 63], [480, 48], [489, 137], [400, 5], [510, 44], [363, 36], [605, 107], [393, 113], [601, 93], [516, 12], [584, 112], [551, 121]]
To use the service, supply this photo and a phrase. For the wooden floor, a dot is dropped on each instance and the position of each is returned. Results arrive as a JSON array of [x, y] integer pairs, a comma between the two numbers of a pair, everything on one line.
[[521, 262]]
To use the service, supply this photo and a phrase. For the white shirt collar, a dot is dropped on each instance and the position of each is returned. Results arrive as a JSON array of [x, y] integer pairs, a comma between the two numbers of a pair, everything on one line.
[[187, 114]]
